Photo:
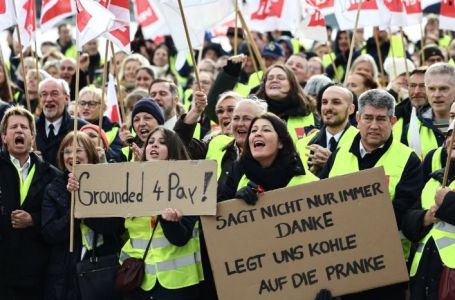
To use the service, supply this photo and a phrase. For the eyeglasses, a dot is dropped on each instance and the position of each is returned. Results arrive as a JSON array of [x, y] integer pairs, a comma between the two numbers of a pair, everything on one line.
[[68, 152], [91, 103], [221, 111]]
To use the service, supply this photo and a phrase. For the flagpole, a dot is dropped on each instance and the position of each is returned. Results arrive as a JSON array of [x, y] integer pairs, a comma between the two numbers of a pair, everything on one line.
[[404, 54], [118, 90], [235, 27], [448, 160], [36, 57], [251, 41], [337, 76], [393, 61], [190, 46], [7, 75], [351, 50], [422, 55], [103, 90], [27, 96], [381, 62]]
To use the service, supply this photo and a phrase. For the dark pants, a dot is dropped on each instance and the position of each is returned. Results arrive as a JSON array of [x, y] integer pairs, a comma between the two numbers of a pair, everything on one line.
[[160, 293], [390, 292], [9, 293]]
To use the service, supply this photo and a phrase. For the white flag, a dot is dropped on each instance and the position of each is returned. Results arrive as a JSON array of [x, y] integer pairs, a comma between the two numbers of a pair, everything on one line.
[[119, 34], [112, 110], [269, 15], [151, 19], [413, 10], [7, 14], [313, 24], [371, 14], [54, 11], [447, 15], [92, 20], [26, 21], [200, 16]]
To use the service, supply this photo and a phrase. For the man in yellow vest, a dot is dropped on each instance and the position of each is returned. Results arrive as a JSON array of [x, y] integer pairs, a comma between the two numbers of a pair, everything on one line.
[[375, 146], [336, 106], [24, 176]]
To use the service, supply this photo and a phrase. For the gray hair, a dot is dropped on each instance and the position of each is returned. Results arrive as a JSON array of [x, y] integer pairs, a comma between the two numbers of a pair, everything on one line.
[[228, 94], [63, 84], [260, 106], [315, 84], [378, 99], [366, 58], [441, 69]]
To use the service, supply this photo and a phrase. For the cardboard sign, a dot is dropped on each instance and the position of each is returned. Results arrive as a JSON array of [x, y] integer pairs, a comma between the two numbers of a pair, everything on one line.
[[338, 234], [137, 189]]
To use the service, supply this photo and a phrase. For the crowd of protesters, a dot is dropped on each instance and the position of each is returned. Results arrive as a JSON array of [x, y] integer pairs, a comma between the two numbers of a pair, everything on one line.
[[307, 116]]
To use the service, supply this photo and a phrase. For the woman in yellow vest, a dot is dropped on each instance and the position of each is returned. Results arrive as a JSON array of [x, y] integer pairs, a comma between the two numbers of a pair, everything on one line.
[[286, 99], [432, 227], [173, 266], [269, 161], [55, 220]]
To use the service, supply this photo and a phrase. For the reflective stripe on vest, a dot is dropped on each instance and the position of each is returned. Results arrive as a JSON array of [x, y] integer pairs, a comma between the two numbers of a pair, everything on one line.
[[217, 149], [88, 237], [436, 160], [427, 138], [24, 186], [111, 134], [173, 266], [346, 163], [296, 126], [296, 180], [442, 233]]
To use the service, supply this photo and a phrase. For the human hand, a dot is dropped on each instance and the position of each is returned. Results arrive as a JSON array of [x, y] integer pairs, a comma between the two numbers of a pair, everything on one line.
[[172, 215], [21, 219]]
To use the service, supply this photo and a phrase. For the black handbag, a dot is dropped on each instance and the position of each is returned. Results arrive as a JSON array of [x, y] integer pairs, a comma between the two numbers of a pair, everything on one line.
[[96, 276]]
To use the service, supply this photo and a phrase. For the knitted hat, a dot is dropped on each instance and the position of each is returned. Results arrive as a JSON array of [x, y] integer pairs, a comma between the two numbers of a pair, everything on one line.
[[429, 51], [149, 106], [396, 69], [97, 129]]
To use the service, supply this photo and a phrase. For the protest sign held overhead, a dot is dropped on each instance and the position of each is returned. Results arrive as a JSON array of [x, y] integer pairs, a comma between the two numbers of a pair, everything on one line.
[[297, 240], [146, 188]]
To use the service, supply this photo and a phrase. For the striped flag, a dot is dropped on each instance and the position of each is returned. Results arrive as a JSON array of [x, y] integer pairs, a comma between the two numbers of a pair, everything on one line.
[[54, 11]]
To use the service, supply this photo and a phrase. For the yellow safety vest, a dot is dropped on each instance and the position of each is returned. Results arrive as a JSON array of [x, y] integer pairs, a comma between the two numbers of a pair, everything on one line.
[[427, 138], [296, 180], [24, 186], [174, 267], [397, 129], [296, 126], [346, 138], [327, 61], [442, 233], [111, 134], [71, 52], [394, 161], [88, 237], [436, 160], [217, 149], [253, 81]]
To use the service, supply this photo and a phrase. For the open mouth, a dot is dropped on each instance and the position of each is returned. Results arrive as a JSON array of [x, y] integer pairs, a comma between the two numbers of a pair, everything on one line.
[[258, 144], [19, 140], [226, 123], [153, 153], [144, 131]]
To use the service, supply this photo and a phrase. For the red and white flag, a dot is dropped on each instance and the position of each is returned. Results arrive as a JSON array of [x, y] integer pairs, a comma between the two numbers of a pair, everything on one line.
[[112, 110], [120, 31], [447, 15], [269, 15], [7, 14], [325, 6], [413, 9], [396, 11], [313, 24], [200, 15], [92, 20], [54, 11], [25, 12], [151, 19], [371, 14]]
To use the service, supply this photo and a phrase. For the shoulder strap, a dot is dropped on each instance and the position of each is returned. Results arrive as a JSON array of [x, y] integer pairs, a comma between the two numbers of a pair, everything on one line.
[[150, 241]]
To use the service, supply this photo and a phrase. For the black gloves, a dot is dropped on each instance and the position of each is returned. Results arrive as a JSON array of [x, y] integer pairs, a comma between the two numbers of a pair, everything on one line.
[[249, 193], [324, 295]]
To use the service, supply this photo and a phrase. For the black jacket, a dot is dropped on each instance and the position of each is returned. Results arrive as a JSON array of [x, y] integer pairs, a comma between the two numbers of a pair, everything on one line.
[[49, 149], [425, 284], [61, 271], [23, 252]]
